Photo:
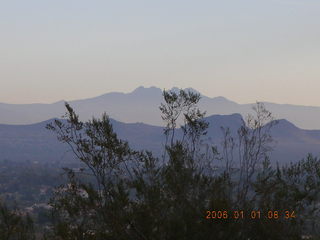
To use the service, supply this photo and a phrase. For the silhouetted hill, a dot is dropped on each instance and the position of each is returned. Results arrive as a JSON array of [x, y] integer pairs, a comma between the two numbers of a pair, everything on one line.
[[233, 122], [35, 143]]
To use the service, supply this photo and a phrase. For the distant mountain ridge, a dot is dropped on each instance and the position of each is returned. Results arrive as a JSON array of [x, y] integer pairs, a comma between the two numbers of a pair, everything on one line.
[[35, 143], [142, 105]]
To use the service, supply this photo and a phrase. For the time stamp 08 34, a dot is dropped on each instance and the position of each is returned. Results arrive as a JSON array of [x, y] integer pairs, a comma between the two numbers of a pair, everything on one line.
[[254, 214]]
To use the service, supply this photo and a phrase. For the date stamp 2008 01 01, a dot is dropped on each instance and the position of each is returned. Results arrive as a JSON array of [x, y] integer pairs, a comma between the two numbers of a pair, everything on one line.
[[255, 214]]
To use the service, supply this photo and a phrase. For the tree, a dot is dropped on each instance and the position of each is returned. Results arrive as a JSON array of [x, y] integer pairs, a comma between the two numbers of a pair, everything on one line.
[[254, 146], [125, 194], [15, 226], [93, 205]]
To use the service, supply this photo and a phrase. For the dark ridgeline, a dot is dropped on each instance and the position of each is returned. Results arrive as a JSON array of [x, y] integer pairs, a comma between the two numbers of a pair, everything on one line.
[[34, 143]]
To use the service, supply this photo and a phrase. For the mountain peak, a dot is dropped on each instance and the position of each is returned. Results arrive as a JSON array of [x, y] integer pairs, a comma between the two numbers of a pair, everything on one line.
[[286, 124], [221, 99], [143, 89]]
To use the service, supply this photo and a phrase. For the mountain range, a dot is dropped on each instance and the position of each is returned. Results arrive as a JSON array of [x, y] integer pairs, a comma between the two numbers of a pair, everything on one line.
[[142, 105], [34, 142]]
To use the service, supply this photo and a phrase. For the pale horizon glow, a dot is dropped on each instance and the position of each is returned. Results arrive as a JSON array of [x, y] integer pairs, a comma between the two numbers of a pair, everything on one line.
[[246, 51]]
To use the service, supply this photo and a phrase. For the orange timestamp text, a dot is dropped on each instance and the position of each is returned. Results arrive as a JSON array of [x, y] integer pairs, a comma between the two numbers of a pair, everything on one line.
[[254, 214]]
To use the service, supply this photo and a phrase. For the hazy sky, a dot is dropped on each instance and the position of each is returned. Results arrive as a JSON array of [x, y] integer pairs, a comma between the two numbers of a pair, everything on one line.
[[245, 50]]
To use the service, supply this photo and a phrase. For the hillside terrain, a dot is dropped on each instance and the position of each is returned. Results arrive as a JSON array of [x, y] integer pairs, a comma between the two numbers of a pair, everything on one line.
[[35, 143]]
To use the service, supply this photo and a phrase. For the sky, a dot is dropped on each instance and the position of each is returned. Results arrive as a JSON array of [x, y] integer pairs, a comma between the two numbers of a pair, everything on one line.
[[244, 50]]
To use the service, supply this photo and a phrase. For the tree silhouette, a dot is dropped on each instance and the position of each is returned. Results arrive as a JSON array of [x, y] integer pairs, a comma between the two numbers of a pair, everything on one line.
[[121, 193]]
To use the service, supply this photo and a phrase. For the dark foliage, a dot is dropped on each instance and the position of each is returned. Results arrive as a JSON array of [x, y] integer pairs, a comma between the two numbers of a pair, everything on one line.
[[124, 194], [15, 226]]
